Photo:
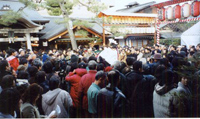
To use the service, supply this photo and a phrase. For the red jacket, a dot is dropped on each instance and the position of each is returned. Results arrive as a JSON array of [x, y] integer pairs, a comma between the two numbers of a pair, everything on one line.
[[84, 84], [13, 61], [74, 80]]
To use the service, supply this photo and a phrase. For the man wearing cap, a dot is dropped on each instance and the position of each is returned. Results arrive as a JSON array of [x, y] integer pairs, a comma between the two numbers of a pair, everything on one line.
[[84, 84]]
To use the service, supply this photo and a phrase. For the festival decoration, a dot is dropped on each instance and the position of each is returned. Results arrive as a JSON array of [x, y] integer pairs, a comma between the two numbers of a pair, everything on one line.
[[161, 14], [177, 12], [169, 13], [195, 8], [185, 10]]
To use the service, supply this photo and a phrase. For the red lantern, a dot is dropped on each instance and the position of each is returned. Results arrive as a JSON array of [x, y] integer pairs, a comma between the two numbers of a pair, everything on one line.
[[185, 10], [169, 13], [161, 14], [195, 9], [177, 11]]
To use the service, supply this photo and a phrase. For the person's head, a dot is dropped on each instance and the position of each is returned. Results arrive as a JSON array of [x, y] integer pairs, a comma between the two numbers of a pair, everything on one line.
[[156, 47], [11, 52], [92, 65], [54, 82], [165, 62], [113, 78], [117, 65], [82, 65], [4, 66], [158, 71], [126, 70], [74, 66], [22, 75], [32, 94], [74, 58], [137, 66], [92, 58], [9, 101], [173, 48], [47, 67], [100, 78], [184, 81], [8, 81], [167, 78], [40, 77], [32, 70], [157, 57], [146, 69], [100, 67], [21, 52], [23, 61], [38, 63]]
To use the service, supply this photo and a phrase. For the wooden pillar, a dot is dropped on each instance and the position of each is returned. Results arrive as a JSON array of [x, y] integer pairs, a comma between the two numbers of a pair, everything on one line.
[[104, 38], [28, 40]]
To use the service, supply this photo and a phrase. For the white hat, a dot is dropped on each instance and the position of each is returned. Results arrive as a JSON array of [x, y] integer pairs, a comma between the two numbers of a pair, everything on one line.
[[20, 49]]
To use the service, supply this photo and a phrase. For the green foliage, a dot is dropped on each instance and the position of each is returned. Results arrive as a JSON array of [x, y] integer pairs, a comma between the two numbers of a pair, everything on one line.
[[96, 7], [82, 32], [9, 18], [170, 41], [53, 7], [82, 23]]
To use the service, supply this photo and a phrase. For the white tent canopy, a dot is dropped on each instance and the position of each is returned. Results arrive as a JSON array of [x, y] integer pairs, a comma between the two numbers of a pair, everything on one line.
[[191, 36]]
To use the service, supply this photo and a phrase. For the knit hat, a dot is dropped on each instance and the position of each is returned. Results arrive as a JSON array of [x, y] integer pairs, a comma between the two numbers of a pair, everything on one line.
[[157, 56]]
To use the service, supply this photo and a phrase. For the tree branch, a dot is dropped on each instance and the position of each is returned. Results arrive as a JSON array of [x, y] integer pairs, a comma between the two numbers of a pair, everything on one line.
[[83, 4]]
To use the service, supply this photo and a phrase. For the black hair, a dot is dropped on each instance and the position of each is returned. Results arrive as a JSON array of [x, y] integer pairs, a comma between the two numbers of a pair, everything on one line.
[[92, 65], [100, 74], [7, 81], [74, 66], [92, 58], [40, 77], [10, 51], [36, 62], [100, 67], [54, 82], [32, 70], [32, 93], [23, 61], [48, 67], [22, 75], [82, 65], [9, 100], [3, 65], [130, 61], [137, 65], [113, 77], [167, 78]]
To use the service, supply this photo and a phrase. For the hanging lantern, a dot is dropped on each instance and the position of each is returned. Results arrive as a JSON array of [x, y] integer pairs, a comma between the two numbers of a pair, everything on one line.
[[185, 10], [161, 14], [177, 12], [169, 13], [195, 8]]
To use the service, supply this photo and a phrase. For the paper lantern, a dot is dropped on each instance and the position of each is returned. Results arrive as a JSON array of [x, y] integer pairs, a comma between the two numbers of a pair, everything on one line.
[[185, 10], [161, 14], [195, 10], [177, 11], [169, 13]]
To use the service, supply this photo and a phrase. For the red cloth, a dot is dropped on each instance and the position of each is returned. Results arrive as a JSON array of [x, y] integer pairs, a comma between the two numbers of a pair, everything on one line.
[[84, 84], [13, 61], [74, 80], [108, 68]]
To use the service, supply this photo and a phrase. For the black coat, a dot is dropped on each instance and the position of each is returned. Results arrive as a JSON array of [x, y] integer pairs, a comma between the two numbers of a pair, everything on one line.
[[111, 103]]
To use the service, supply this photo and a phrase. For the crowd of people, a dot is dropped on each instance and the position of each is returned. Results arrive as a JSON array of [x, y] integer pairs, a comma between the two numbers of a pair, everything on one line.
[[151, 81]]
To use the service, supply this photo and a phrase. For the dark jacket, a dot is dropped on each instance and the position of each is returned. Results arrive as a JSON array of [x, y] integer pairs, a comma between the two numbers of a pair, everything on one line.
[[111, 102]]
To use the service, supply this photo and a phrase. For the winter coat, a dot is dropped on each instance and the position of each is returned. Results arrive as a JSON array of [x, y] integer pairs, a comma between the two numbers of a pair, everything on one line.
[[13, 61], [29, 111], [111, 102], [74, 80], [185, 95], [86, 81], [165, 101], [57, 97]]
